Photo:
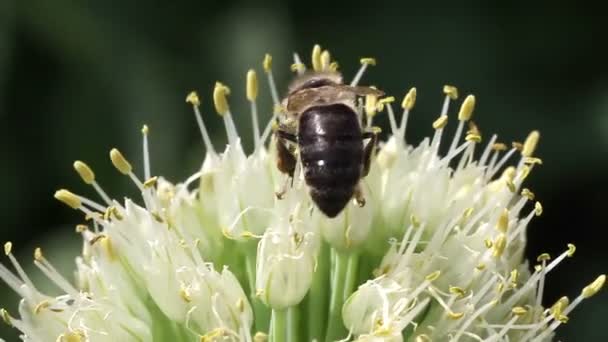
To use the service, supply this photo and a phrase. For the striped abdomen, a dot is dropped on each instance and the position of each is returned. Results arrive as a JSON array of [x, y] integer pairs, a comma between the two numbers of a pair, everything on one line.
[[331, 150]]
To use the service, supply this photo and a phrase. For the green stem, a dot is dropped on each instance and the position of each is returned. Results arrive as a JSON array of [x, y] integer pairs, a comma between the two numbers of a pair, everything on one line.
[[352, 270], [292, 324], [279, 325], [335, 328], [261, 314], [318, 296]]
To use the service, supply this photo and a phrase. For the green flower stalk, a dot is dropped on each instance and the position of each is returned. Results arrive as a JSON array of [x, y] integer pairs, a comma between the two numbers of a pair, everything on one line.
[[239, 252]]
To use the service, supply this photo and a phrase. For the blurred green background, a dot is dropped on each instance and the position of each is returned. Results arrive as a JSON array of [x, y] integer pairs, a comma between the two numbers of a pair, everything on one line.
[[80, 77]]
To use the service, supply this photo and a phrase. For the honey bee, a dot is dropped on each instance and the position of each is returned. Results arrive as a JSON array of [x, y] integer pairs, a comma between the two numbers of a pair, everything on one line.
[[321, 126]]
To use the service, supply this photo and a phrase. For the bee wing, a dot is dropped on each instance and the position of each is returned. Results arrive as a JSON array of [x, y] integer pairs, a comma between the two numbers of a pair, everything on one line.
[[327, 94], [360, 91]]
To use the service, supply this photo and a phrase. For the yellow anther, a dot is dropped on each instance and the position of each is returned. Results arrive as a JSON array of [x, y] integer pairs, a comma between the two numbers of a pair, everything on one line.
[[571, 249], [473, 129], [433, 276], [120, 162], [73, 336], [41, 306], [440, 122], [473, 137], [517, 145], [150, 183], [38, 254], [527, 194], [559, 306], [252, 85], [481, 267], [409, 100], [219, 98], [466, 109], [508, 173], [530, 144], [511, 185], [240, 305], [260, 337], [84, 171], [514, 276], [376, 130], [368, 61], [298, 67], [538, 268], [114, 211], [8, 247], [193, 99], [468, 212], [450, 91], [81, 228], [68, 198], [533, 161], [538, 209], [316, 58], [503, 221], [6, 317], [325, 60], [371, 105], [185, 295], [386, 100], [415, 222], [333, 66], [499, 246], [543, 257], [455, 315], [488, 243], [267, 64], [563, 319], [145, 130], [458, 291], [593, 288], [500, 287], [519, 311], [499, 147]]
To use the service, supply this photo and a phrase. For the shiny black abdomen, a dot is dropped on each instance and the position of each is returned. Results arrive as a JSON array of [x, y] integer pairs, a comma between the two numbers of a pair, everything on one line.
[[331, 150]]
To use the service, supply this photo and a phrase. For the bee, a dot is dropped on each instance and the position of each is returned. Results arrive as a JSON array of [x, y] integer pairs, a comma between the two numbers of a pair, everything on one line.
[[321, 125]]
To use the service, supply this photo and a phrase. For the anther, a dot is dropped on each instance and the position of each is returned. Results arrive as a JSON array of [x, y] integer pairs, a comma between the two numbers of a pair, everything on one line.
[[120, 162], [371, 105], [267, 64], [6, 317], [530, 144], [219, 98], [519, 311], [543, 257], [528, 194], [409, 100], [81, 228], [499, 246], [593, 288], [503, 221], [316, 58], [298, 67], [8, 247], [252, 85], [333, 66], [571, 250], [38, 254], [193, 99], [538, 209], [84, 171], [499, 147], [68, 198], [466, 109], [455, 315], [368, 61], [325, 60], [517, 145], [458, 291], [441, 122], [450, 91]]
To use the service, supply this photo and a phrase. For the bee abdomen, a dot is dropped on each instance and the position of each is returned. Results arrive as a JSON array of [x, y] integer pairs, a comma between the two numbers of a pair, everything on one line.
[[331, 150]]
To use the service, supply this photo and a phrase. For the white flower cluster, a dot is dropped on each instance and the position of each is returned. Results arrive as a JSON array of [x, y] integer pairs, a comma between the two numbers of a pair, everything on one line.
[[436, 252]]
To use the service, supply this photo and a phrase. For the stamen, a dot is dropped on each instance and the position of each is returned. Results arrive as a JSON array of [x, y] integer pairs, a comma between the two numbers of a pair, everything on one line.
[[220, 92], [193, 99], [124, 167], [364, 63], [8, 246], [530, 144], [408, 103], [298, 66], [466, 111], [487, 150], [268, 69], [88, 176], [68, 198], [252, 94], [325, 60], [391, 118], [52, 273], [144, 132]]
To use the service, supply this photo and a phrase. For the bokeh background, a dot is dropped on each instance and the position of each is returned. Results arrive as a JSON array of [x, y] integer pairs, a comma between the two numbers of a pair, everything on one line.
[[80, 77]]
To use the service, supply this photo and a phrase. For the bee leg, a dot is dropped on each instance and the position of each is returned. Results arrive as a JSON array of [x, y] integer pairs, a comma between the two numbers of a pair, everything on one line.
[[368, 151], [359, 198], [286, 160]]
